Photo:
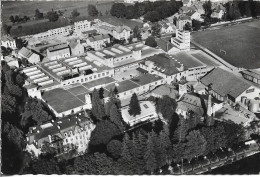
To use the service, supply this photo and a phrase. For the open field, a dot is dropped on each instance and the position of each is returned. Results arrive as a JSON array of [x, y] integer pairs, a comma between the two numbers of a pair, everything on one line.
[[239, 44], [28, 7]]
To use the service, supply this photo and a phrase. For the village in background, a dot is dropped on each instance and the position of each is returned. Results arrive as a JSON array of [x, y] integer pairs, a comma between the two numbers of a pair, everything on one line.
[[129, 87]]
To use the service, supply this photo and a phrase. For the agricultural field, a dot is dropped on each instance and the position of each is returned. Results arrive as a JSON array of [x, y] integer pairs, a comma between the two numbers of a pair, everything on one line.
[[27, 8], [239, 44]]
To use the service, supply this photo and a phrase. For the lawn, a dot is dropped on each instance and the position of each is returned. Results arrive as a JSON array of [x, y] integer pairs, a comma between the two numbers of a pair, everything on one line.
[[238, 44]]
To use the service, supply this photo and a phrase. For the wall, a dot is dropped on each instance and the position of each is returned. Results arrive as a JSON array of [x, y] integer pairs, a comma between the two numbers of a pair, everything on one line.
[[251, 95]]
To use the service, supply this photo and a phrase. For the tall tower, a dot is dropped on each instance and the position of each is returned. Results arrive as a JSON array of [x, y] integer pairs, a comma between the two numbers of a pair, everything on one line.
[[209, 118]]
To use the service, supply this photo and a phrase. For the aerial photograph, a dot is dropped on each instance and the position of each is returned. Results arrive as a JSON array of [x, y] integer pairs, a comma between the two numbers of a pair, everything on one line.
[[130, 87]]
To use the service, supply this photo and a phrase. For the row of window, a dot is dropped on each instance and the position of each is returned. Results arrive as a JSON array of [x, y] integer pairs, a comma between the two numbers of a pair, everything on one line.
[[88, 78]]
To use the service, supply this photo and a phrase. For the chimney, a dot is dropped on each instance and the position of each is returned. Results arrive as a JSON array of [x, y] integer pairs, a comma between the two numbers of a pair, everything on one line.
[[209, 107]]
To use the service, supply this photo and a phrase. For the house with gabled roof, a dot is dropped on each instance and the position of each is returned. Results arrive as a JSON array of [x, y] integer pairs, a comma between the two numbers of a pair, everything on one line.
[[29, 55], [58, 51], [97, 42]]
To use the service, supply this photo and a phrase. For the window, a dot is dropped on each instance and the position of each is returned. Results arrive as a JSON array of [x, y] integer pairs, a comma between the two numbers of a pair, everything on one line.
[[99, 75], [95, 76], [103, 74], [65, 134]]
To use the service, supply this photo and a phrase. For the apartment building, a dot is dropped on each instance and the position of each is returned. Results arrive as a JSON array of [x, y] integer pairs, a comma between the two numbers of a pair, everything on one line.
[[64, 135], [8, 42], [97, 42], [182, 40]]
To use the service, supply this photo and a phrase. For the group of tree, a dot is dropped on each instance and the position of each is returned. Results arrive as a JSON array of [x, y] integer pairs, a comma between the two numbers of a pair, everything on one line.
[[75, 13], [38, 14], [150, 41], [152, 11], [17, 19], [92, 10], [52, 16], [15, 103]]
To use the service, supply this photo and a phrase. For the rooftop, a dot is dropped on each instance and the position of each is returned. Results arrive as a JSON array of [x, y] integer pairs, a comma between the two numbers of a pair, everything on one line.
[[25, 52], [98, 37], [145, 79], [166, 90], [58, 47], [165, 44], [101, 81], [225, 83], [187, 60], [121, 86], [147, 108], [55, 98]]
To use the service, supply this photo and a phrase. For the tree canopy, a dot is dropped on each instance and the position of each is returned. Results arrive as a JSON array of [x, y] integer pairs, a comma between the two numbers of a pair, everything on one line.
[[92, 10], [134, 106], [150, 41]]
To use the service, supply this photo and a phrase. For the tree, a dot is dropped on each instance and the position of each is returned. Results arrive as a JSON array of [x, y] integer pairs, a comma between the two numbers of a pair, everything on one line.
[[126, 148], [6, 51], [12, 19], [92, 10], [112, 100], [20, 43], [98, 109], [156, 28], [5, 30], [17, 18], [101, 93], [152, 16], [100, 13], [75, 13], [234, 12], [52, 16], [196, 25], [207, 8], [130, 12], [115, 117], [187, 26], [182, 129], [195, 146], [149, 155], [118, 10], [114, 147], [103, 133], [134, 106], [137, 33], [94, 164], [150, 41], [38, 14], [166, 106]]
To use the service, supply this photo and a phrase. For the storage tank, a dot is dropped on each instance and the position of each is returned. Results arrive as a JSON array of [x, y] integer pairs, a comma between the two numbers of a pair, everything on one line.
[[254, 106]]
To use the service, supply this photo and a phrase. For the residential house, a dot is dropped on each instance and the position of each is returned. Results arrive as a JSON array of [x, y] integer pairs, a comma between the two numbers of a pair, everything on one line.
[[8, 42], [58, 51], [63, 135], [118, 32], [166, 28], [29, 55], [76, 48], [11, 61], [218, 12], [97, 42], [193, 104], [194, 15]]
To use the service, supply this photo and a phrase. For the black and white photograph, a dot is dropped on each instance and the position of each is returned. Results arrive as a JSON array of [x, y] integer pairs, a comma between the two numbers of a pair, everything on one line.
[[130, 87]]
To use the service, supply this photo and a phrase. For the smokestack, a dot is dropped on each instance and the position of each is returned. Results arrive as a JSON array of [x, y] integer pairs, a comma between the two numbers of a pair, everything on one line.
[[209, 112]]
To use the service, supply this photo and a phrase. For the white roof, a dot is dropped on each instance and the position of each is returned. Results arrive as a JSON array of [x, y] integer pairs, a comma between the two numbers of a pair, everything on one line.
[[147, 108]]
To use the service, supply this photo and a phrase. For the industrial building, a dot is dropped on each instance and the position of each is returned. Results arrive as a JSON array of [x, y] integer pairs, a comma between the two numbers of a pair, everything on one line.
[[232, 89]]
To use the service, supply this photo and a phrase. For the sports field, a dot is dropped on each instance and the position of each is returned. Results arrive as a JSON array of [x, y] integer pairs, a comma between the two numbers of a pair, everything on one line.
[[238, 44]]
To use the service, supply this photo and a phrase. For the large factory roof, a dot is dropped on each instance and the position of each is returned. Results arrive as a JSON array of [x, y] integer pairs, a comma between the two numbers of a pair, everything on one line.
[[225, 83]]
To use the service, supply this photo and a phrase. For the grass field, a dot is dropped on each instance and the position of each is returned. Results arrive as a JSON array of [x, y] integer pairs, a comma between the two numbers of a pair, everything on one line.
[[28, 7], [239, 44]]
